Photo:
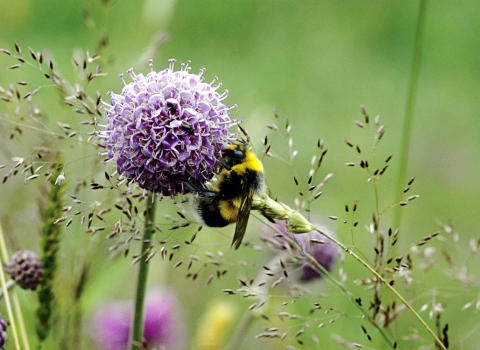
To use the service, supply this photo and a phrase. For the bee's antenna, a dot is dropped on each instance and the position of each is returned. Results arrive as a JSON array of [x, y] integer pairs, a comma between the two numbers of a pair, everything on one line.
[[244, 132]]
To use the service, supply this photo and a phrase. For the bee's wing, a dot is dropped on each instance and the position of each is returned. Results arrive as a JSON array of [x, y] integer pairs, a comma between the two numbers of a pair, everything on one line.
[[243, 214]]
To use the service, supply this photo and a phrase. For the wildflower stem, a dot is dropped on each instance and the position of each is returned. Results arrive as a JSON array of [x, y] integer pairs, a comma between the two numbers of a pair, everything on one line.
[[137, 329], [240, 332], [21, 322], [16, 303], [410, 106], [3, 284], [9, 285]]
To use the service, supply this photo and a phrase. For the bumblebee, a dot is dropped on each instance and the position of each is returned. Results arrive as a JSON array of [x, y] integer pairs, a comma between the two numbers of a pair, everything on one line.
[[229, 199]]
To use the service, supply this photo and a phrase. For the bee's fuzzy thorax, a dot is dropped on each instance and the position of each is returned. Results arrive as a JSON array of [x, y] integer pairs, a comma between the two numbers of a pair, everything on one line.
[[252, 163]]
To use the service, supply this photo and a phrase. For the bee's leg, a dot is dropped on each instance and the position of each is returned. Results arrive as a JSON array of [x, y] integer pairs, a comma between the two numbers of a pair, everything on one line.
[[269, 218], [211, 194], [204, 193], [191, 187]]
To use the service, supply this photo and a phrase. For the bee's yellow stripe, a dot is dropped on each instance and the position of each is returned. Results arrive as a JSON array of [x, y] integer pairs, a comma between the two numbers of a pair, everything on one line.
[[229, 210]]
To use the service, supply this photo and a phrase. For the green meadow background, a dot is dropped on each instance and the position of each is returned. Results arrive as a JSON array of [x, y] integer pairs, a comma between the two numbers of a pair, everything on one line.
[[314, 62]]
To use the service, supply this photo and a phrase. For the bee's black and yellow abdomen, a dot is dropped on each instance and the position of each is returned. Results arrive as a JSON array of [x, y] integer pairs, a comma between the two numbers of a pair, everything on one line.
[[215, 213]]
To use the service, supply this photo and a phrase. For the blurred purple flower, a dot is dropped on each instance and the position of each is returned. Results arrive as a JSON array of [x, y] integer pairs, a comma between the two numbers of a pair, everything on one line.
[[112, 325], [26, 269], [163, 325], [324, 251], [166, 128], [3, 332]]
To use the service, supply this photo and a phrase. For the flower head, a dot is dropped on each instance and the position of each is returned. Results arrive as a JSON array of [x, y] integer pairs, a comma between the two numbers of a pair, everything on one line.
[[26, 269], [163, 325], [167, 128], [323, 251], [3, 332]]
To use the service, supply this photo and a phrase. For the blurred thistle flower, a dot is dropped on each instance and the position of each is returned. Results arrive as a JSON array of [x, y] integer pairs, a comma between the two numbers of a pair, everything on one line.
[[3, 332], [163, 325], [215, 325], [167, 128], [323, 251], [26, 269]]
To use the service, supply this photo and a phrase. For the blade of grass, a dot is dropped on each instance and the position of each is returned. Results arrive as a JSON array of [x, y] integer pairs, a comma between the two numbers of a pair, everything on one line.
[[410, 106], [3, 284]]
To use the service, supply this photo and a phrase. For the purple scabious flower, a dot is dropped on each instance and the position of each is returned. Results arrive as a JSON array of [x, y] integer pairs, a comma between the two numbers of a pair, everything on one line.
[[163, 323], [3, 332], [167, 128], [26, 269], [323, 251]]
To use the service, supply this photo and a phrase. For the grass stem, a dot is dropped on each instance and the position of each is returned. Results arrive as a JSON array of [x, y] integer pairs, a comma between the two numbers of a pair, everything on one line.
[[410, 107]]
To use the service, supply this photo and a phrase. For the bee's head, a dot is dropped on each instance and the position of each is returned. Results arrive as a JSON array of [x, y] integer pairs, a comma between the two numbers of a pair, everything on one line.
[[234, 154]]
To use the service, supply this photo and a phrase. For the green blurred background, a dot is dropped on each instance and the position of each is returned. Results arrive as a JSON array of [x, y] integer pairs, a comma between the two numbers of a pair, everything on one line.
[[316, 63]]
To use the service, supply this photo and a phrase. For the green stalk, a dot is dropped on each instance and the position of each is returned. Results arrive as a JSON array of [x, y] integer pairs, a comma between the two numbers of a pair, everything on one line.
[[410, 106], [137, 329], [21, 322], [239, 336], [3, 284]]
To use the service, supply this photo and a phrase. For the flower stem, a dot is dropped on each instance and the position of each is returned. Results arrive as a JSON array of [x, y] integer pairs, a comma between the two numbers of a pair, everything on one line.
[[137, 329], [16, 303], [410, 106], [18, 310], [9, 285], [4, 286], [239, 335]]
